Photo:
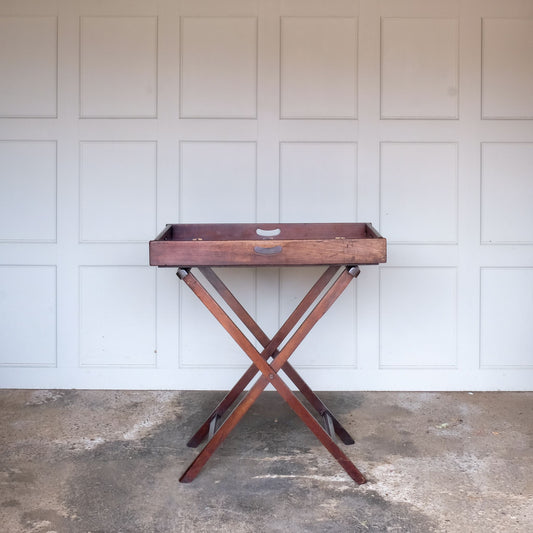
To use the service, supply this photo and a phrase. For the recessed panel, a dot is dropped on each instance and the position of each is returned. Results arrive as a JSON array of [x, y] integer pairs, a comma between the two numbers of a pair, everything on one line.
[[318, 67], [218, 67], [218, 182], [507, 68], [28, 310], [318, 182], [506, 311], [418, 317], [419, 68], [28, 179], [117, 191], [419, 192], [28, 66], [332, 342], [117, 316], [507, 193], [118, 67], [203, 342]]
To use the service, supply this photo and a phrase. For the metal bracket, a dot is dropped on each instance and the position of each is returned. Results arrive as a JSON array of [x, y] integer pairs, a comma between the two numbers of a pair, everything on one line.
[[182, 272], [213, 426], [328, 423]]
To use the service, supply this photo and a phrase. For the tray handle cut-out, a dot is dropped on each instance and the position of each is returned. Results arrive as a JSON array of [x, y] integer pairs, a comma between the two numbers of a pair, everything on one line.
[[274, 250], [268, 232]]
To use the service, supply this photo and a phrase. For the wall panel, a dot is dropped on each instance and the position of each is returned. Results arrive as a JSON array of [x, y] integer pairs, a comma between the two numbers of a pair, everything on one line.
[[318, 181], [507, 193], [507, 78], [418, 319], [419, 68], [217, 182], [117, 191], [419, 192], [28, 189], [318, 67], [28, 307], [506, 311], [117, 316], [218, 67], [28, 66], [125, 83]]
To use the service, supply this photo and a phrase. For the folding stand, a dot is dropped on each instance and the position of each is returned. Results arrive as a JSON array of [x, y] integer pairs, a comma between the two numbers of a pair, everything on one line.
[[269, 371], [334, 245]]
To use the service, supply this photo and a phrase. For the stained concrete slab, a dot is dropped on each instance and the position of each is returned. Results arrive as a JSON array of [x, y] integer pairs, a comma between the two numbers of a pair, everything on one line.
[[109, 462]]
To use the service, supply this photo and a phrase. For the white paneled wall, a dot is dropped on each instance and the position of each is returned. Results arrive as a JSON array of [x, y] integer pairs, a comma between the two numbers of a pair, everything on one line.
[[117, 191], [419, 68], [317, 181], [419, 192], [119, 117], [507, 78], [118, 67], [216, 174], [318, 44], [117, 316], [506, 193], [218, 67], [407, 294], [28, 62], [29, 324], [503, 343], [28, 191]]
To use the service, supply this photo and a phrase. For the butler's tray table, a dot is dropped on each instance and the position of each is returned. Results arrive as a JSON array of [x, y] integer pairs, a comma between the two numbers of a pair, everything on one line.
[[339, 247]]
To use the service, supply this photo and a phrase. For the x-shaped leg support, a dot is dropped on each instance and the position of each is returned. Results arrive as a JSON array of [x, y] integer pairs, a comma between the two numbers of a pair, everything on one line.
[[270, 371], [330, 422]]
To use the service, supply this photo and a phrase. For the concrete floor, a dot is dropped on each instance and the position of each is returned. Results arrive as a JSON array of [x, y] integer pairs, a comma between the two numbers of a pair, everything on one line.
[[109, 462]]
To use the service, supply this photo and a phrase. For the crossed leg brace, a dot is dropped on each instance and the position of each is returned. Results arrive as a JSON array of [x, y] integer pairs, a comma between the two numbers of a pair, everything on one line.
[[269, 371]]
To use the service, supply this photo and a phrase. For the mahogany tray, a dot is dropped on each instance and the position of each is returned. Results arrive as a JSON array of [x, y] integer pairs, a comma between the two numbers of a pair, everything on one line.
[[188, 245]]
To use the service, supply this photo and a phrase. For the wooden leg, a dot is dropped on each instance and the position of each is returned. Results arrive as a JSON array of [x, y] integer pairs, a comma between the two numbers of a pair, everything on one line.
[[222, 407], [317, 403], [270, 373], [318, 430], [306, 326], [194, 468]]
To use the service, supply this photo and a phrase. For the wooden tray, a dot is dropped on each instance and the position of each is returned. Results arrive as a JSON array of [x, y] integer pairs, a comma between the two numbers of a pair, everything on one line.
[[188, 245]]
